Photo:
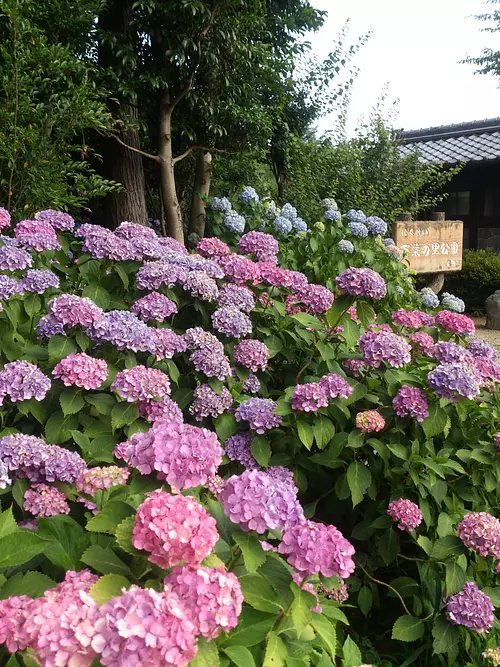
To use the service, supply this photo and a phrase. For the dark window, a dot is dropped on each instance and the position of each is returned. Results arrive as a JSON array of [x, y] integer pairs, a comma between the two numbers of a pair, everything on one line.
[[492, 201], [458, 203]]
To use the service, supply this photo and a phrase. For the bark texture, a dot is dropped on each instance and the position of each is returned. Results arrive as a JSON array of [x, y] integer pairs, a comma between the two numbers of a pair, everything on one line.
[[171, 206], [202, 180]]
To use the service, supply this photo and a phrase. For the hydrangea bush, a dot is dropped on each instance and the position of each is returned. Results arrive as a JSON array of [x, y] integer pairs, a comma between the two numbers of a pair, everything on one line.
[[208, 458]]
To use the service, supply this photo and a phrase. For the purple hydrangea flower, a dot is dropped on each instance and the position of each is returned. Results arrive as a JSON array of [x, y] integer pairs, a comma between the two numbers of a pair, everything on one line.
[[39, 242], [211, 362], [221, 204], [208, 403], [345, 247], [411, 402], [259, 413], [333, 214], [358, 229], [166, 343], [57, 219], [21, 381], [447, 352], [335, 386], [238, 448], [316, 298], [154, 306], [43, 501], [125, 331], [13, 258], [407, 514], [259, 501], [471, 608], [9, 287], [251, 354], [152, 275], [362, 282], [309, 397], [454, 381], [378, 346], [231, 322], [355, 215], [212, 247], [480, 348], [71, 311], [236, 296], [376, 225], [199, 284], [251, 385], [249, 195], [263, 246], [140, 383], [239, 269], [4, 218], [38, 281]]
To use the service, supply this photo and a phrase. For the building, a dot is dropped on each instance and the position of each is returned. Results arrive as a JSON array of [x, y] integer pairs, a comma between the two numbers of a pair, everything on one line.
[[474, 193]]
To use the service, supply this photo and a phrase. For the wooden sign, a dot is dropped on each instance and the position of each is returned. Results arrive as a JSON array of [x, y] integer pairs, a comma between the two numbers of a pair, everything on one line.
[[431, 247]]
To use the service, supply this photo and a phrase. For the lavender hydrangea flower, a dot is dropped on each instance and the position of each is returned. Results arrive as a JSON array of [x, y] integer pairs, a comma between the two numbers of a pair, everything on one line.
[[411, 402], [471, 608], [71, 311], [333, 214], [429, 298], [345, 247], [154, 306], [153, 275], [309, 397], [57, 219], [480, 348], [251, 385], [376, 225], [300, 225], [234, 222], [208, 403], [249, 195], [362, 282], [388, 243], [39, 242], [354, 215], [282, 224], [211, 362], [43, 501], [231, 322], [38, 281], [316, 298], [288, 211], [21, 381], [236, 296], [481, 531], [382, 346], [251, 354], [221, 204], [329, 202], [238, 448], [9, 287], [447, 352], [140, 383], [13, 258], [125, 331], [335, 386], [454, 381], [358, 229], [263, 246], [259, 413], [259, 501], [199, 284]]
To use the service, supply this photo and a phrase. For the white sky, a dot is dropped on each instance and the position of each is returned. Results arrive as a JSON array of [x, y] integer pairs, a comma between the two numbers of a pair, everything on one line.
[[416, 48]]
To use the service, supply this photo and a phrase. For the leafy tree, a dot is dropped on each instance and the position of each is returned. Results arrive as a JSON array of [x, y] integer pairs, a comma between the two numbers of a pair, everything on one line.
[[489, 60], [49, 106]]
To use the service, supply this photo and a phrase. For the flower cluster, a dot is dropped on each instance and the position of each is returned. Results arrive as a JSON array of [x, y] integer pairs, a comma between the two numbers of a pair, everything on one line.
[[411, 402], [481, 531], [456, 323], [362, 282], [454, 381], [100, 478], [345, 247], [236, 296], [238, 448], [370, 421], [429, 298], [262, 246], [251, 354], [447, 352], [406, 514], [20, 381], [57, 219], [260, 413], [80, 370], [154, 306], [380, 346], [470, 608], [140, 383], [234, 222], [249, 195], [38, 280], [208, 403], [309, 397], [452, 302], [43, 500], [231, 322]]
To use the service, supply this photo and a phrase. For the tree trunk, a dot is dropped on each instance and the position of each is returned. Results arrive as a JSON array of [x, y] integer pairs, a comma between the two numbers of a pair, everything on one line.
[[121, 164], [202, 180], [171, 205]]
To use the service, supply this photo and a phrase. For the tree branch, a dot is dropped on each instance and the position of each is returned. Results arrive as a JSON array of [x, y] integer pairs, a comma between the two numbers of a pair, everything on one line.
[[207, 149], [382, 583], [135, 150]]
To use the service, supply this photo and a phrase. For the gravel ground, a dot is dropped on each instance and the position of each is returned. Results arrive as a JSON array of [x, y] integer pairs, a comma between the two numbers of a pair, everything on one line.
[[489, 335]]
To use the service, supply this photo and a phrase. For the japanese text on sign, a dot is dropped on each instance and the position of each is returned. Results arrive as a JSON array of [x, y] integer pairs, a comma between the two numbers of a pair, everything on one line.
[[430, 246]]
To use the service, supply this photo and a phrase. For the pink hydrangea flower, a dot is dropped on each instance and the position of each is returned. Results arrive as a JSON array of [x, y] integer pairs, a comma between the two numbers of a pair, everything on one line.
[[154, 306], [212, 597], [309, 397], [422, 342], [411, 402], [71, 311], [335, 386], [455, 322], [4, 218], [481, 531], [13, 614], [100, 478], [81, 370], [212, 247], [140, 383], [471, 608], [370, 421], [239, 269], [263, 246], [164, 410], [33, 227], [174, 529], [407, 514], [43, 500], [251, 354], [407, 318], [312, 547], [378, 346]]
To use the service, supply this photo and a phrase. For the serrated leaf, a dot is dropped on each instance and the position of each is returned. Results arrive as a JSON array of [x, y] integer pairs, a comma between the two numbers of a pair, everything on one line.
[[103, 403], [445, 635], [207, 655], [276, 652], [123, 414], [59, 427], [365, 600], [253, 554], [359, 479], [66, 541], [326, 632], [324, 431], [240, 656], [107, 520], [71, 402], [108, 587], [365, 312], [407, 629], [450, 545], [225, 426], [306, 434], [308, 321], [33, 584], [259, 594], [19, 488], [389, 546], [20, 550], [8, 524], [436, 422], [351, 654], [98, 294], [105, 561], [60, 347], [252, 629], [81, 440], [261, 451], [123, 535], [300, 609], [455, 578]]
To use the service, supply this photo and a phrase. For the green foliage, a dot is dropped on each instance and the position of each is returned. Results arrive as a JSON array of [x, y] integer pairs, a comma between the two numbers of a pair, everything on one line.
[[479, 277]]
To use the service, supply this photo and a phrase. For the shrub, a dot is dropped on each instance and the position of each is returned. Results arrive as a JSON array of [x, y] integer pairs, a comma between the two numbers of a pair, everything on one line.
[[479, 277], [214, 502]]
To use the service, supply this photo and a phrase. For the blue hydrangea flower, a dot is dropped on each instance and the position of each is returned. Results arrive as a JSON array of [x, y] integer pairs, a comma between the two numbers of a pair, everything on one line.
[[345, 246], [354, 215], [248, 195], [429, 298], [329, 203], [388, 242], [376, 225], [288, 211], [452, 302], [358, 229], [282, 225], [333, 214], [270, 209], [221, 204], [299, 225], [235, 222], [399, 290]]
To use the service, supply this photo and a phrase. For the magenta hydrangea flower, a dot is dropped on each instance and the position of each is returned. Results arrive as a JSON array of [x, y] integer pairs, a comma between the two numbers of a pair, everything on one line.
[[379, 346], [164, 410], [362, 282], [154, 306], [99, 478], [455, 322], [144, 627], [71, 311], [481, 531], [38, 281], [166, 343], [411, 402], [422, 342], [13, 258], [101, 243], [56, 219], [406, 514], [174, 529], [309, 397], [34, 227], [231, 322], [4, 218], [259, 413], [370, 421], [236, 296], [140, 383], [335, 386], [312, 547], [471, 608], [29, 457], [454, 381], [263, 246], [238, 448], [21, 381], [80, 370], [251, 354], [239, 269], [259, 501], [316, 298], [354, 366], [208, 403], [43, 500], [212, 247], [487, 371], [211, 597], [407, 318]]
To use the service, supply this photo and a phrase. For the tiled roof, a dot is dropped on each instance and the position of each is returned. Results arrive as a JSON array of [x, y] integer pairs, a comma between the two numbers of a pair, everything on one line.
[[464, 142]]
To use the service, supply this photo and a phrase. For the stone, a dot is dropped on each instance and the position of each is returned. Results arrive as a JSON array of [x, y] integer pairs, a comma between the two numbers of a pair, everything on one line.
[[492, 305]]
